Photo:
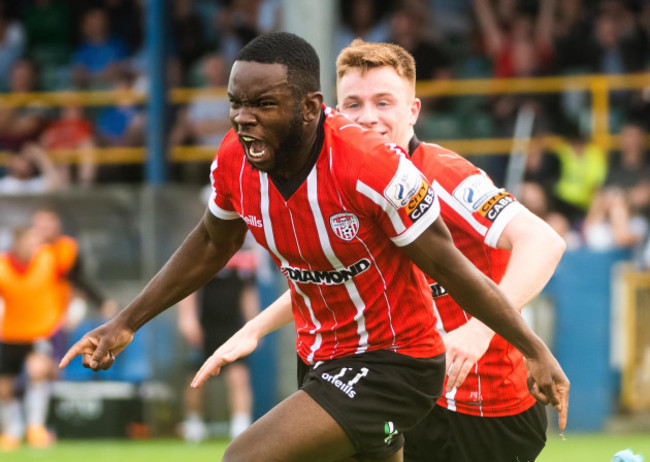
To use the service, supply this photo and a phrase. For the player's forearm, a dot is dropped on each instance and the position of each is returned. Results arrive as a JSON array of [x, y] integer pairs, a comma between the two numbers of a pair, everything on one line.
[[189, 268], [435, 254], [277, 315], [481, 298]]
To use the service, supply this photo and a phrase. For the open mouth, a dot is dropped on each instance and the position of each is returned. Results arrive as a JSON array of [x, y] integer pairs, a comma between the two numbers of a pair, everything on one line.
[[254, 147]]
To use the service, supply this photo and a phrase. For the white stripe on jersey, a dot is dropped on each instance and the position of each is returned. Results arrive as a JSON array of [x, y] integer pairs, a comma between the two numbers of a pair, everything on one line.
[[439, 326], [218, 211], [419, 226], [382, 202], [458, 208], [449, 396], [350, 286], [374, 262], [270, 240]]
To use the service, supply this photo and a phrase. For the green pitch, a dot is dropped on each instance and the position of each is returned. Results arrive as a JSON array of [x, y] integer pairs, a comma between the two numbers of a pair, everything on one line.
[[576, 448]]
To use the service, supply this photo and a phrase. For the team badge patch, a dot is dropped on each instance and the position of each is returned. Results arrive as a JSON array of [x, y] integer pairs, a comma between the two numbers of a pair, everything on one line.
[[405, 184], [345, 225]]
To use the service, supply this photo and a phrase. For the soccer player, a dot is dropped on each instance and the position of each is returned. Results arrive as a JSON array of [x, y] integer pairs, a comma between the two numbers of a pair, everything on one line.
[[344, 215], [486, 394], [33, 311], [48, 225]]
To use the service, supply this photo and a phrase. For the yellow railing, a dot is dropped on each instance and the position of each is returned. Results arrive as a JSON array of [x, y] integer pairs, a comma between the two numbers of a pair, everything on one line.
[[635, 392], [599, 86]]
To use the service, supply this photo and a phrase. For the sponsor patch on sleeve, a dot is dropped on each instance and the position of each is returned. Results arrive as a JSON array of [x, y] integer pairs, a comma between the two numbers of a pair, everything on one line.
[[408, 190], [493, 207], [474, 190]]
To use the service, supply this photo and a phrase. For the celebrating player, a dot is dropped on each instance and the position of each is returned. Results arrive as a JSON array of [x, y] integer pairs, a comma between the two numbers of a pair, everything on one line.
[[344, 215], [486, 393]]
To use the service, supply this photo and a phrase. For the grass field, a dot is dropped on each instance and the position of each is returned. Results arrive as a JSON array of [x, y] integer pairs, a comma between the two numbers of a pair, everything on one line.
[[576, 448]]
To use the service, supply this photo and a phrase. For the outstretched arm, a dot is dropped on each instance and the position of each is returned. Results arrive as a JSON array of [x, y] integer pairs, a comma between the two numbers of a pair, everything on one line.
[[536, 251], [245, 340], [205, 251], [435, 254]]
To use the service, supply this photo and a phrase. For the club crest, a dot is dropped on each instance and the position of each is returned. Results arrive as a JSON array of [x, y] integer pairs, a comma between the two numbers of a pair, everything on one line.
[[345, 225]]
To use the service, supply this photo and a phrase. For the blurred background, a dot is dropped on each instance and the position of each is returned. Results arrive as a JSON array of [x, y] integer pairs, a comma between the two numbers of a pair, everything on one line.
[[111, 112]]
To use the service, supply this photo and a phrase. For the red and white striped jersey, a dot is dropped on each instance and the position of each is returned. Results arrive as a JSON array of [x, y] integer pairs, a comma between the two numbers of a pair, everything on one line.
[[336, 237], [476, 212]]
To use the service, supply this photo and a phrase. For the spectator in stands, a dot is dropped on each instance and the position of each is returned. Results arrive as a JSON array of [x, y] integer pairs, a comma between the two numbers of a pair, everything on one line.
[[187, 32], [100, 56], [73, 131], [410, 27], [364, 19], [30, 171], [121, 125], [619, 44], [48, 24], [237, 25], [205, 122], [125, 18], [582, 170], [572, 37], [519, 44], [25, 121], [12, 44], [618, 216]]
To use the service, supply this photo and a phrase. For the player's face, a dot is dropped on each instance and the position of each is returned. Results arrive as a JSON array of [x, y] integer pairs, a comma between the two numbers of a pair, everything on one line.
[[265, 113], [27, 243], [380, 100], [47, 224]]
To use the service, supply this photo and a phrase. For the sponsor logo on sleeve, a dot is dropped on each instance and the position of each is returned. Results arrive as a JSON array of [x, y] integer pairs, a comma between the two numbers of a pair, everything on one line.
[[420, 202], [474, 190], [410, 191], [345, 225], [493, 207]]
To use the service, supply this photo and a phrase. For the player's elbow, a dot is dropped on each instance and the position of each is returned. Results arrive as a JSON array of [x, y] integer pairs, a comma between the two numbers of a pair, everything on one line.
[[553, 244]]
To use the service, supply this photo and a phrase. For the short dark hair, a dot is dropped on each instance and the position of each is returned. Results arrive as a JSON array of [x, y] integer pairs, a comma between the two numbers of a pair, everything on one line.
[[300, 58]]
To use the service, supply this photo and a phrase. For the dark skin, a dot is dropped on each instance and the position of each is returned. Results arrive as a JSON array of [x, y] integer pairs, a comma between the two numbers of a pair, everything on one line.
[[263, 106]]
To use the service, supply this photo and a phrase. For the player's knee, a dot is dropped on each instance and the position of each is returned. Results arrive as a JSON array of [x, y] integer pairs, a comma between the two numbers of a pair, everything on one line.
[[6, 389], [38, 367]]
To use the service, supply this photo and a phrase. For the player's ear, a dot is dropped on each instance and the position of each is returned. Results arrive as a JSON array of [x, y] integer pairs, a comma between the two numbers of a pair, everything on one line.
[[312, 104], [416, 105]]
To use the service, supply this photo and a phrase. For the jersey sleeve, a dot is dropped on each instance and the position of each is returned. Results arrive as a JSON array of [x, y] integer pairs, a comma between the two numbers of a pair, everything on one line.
[[220, 203], [482, 206], [397, 195]]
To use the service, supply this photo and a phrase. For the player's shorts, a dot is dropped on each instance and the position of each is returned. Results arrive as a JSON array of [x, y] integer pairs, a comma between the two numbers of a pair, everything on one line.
[[221, 314], [376, 396], [13, 356], [450, 436]]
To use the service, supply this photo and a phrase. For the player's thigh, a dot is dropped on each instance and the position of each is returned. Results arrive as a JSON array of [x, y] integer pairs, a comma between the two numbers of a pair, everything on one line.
[[296, 430], [518, 438], [430, 440]]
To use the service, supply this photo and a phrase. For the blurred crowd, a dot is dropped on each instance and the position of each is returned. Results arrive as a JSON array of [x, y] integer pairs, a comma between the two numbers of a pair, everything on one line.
[[595, 198]]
